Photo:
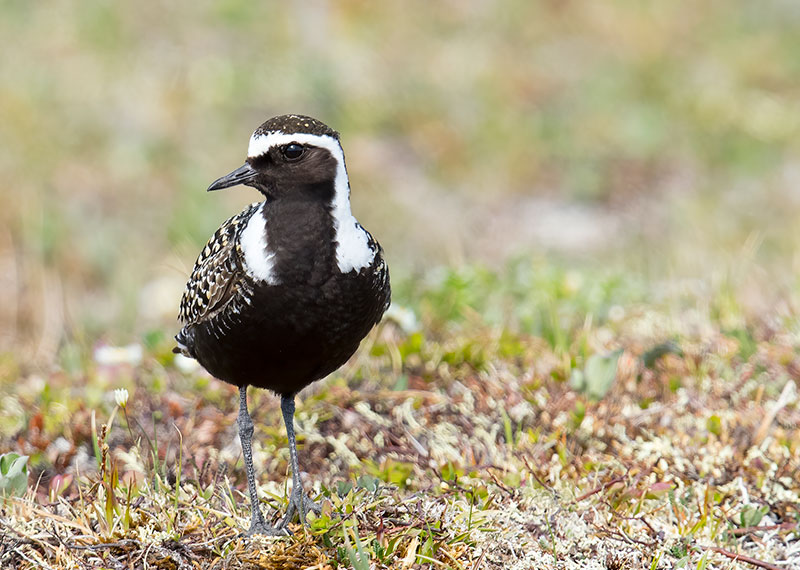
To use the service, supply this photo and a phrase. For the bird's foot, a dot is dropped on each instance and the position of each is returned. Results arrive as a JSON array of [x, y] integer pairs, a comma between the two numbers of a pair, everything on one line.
[[268, 530], [259, 526], [300, 505]]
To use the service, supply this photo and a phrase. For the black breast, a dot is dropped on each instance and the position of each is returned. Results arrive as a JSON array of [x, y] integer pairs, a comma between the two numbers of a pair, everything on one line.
[[284, 336]]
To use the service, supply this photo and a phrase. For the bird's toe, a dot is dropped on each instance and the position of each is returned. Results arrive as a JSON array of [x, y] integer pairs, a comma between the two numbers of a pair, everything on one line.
[[265, 529], [300, 505]]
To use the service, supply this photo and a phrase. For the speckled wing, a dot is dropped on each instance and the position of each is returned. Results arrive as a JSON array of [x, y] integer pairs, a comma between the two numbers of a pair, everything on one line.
[[380, 274], [217, 272]]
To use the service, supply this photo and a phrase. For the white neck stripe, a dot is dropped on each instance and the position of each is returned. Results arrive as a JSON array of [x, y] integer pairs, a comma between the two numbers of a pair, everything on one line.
[[352, 247], [259, 259]]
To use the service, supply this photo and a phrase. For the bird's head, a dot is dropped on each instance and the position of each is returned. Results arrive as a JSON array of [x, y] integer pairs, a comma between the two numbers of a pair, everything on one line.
[[292, 157]]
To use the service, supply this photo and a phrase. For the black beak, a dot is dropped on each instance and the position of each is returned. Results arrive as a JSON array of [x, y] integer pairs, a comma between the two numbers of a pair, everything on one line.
[[239, 176]]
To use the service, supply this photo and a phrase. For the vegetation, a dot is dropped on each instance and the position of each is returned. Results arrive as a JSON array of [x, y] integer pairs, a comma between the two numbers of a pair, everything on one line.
[[456, 441], [589, 210]]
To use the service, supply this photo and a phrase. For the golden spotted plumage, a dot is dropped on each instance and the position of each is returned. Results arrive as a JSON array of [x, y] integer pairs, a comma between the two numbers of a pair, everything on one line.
[[218, 271]]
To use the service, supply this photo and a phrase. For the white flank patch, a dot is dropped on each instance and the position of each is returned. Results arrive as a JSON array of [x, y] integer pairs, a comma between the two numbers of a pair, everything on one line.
[[258, 260], [352, 244]]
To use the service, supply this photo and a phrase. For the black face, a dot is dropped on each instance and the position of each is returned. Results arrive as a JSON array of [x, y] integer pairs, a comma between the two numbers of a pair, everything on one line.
[[294, 170]]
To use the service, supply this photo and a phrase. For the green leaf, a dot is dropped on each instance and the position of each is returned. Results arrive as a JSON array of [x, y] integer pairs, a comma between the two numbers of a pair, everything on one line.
[[597, 377], [13, 474], [368, 482], [578, 413], [401, 384], [747, 344], [577, 380], [358, 557], [714, 425], [652, 356], [751, 516], [343, 487]]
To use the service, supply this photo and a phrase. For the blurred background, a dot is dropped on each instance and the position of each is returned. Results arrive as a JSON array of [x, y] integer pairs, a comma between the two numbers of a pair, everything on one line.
[[655, 139]]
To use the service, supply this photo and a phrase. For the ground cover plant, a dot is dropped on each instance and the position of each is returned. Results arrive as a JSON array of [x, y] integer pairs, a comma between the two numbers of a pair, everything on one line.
[[515, 420]]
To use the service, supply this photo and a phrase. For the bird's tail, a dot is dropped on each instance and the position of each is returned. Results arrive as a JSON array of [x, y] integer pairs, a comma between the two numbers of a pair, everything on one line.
[[183, 338]]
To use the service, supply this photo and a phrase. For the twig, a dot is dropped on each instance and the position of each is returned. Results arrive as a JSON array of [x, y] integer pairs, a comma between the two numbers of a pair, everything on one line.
[[744, 558], [622, 536], [787, 396], [450, 482], [28, 539], [103, 545], [479, 560], [602, 487], [499, 484], [638, 518], [751, 529], [532, 471], [36, 564]]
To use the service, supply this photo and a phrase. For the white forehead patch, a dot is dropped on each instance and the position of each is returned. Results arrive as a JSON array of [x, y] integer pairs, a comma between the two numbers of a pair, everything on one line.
[[352, 242]]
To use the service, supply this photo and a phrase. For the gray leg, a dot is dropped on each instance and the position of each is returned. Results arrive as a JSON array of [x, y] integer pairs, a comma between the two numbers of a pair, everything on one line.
[[245, 424], [298, 502]]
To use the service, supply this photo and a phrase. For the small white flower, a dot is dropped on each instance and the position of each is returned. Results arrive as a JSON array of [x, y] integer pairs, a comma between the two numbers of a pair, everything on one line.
[[404, 317], [121, 397]]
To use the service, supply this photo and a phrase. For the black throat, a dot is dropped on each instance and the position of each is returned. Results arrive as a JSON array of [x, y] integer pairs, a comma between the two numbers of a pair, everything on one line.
[[301, 234]]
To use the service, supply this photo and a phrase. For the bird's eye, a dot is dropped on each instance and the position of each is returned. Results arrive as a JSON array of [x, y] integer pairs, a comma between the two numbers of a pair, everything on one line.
[[293, 151]]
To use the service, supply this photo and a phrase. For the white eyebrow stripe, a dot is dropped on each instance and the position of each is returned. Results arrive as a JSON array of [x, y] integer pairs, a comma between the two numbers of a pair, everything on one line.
[[261, 143], [352, 241]]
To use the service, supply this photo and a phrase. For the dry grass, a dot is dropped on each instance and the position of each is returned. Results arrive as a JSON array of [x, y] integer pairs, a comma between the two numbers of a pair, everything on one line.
[[476, 454]]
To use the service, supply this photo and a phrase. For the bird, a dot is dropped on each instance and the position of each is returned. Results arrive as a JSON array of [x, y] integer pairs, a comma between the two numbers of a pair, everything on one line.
[[283, 292]]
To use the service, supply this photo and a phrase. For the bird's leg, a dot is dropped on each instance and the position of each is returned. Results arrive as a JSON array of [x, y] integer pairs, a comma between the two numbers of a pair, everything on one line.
[[298, 502], [245, 423]]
